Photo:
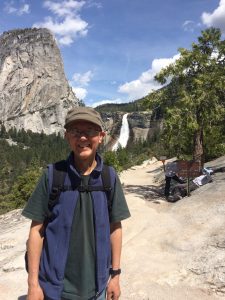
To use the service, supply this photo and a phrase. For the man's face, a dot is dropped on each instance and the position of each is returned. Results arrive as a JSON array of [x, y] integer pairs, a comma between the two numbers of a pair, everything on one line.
[[84, 138]]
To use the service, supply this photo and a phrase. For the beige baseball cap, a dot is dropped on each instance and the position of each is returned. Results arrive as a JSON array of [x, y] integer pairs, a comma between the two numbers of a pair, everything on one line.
[[83, 113]]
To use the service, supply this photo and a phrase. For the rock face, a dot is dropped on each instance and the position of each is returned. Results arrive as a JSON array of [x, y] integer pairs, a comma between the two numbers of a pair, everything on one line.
[[142, 126], [34, 92]]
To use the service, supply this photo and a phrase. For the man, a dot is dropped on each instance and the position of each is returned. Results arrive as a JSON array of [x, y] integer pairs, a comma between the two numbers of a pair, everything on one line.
[[171, 173], [81, 239]]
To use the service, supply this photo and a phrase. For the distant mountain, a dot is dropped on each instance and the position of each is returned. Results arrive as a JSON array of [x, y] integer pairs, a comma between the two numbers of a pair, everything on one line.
[[143, 124], [123, 107], [34, 92]]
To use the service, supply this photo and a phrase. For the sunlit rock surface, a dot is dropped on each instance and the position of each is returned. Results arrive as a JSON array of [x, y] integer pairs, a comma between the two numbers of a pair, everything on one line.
[[34, 92]]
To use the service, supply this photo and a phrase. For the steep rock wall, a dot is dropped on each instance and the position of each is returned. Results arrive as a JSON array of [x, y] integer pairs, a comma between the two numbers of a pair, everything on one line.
[[34, 92], [142, 126]]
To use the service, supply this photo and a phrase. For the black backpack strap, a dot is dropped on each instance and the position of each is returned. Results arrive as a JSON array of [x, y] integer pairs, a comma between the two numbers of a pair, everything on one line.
[[108, 182], [108, 185], [59, 171], [57, 174], [89, 188]]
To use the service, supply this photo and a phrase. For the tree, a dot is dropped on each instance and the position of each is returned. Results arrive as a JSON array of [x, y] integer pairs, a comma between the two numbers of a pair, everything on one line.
[[3, 132], [110, 159], [194, 100], [24, 186]]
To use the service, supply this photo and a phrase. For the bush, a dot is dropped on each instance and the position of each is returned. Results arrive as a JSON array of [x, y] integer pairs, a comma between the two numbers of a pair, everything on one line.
[[110, 159], [23, 187]]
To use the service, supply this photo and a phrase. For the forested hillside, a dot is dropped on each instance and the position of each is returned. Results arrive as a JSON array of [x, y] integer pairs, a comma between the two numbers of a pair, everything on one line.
[[123, 107], [22, 157]]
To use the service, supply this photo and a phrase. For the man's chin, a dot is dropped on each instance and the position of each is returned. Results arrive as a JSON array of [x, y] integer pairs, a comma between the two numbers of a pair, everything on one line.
[[84, 154]]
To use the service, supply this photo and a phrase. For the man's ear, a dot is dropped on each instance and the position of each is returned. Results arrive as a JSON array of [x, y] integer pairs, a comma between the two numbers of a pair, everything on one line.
[[101, 136]]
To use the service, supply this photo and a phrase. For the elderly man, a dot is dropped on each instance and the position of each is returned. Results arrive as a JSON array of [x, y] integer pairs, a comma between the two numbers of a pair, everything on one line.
[[74, 246]]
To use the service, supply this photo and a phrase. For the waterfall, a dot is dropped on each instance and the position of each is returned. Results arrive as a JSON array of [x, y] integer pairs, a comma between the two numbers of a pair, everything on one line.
[[124, 134]]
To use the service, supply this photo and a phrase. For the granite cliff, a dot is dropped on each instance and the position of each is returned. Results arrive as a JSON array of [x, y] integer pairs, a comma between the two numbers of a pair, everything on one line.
[[34, 92], [142, 126]]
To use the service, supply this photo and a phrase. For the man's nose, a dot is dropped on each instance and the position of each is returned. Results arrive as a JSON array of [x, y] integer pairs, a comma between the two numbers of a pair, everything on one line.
[[83, 135]]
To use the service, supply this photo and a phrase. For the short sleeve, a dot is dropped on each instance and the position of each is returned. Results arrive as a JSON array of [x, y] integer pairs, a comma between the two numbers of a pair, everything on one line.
[[120, 210], [37, 206]]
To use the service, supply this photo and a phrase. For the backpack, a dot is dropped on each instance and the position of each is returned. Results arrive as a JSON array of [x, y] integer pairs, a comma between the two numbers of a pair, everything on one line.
[[59, 175], [58, 178]]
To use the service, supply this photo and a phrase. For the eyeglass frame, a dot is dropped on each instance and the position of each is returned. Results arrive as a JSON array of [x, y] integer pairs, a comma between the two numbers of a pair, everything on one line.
[[76, 133]]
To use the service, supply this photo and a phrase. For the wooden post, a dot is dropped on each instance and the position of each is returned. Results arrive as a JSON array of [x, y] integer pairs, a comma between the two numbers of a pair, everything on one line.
[[188, 179], [163, 159], [188, 187]]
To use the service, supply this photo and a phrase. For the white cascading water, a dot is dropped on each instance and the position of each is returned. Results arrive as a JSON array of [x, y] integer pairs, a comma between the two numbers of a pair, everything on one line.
[[124, 134]]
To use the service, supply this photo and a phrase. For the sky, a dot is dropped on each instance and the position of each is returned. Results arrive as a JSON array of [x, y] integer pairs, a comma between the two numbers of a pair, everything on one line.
[[112, 49]]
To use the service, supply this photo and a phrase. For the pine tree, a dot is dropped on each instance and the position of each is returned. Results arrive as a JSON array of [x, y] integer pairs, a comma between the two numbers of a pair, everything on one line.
[[194, 101]]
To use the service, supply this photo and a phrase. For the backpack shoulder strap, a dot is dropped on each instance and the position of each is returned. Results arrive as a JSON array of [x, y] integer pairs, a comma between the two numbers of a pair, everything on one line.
[[56, 182], [108, 176], [108, 180], [57, 175]]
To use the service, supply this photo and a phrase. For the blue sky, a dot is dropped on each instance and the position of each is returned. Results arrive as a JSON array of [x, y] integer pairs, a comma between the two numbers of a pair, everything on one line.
[[111, 49]]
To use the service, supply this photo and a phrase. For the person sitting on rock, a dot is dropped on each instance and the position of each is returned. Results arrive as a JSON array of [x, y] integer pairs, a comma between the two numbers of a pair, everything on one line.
[[180, 190], [171, 171]]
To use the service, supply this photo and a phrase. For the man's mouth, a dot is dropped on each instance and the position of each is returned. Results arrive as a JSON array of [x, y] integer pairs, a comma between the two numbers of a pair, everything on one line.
[[84, 146]]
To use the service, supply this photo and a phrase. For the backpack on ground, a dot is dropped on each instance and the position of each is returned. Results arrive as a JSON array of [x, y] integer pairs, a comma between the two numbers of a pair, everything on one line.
[[58, 186]]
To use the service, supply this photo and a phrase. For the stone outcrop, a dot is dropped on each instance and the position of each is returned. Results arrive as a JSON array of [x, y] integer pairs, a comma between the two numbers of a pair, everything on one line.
[[142, 126], [112, 122], [34, 92]]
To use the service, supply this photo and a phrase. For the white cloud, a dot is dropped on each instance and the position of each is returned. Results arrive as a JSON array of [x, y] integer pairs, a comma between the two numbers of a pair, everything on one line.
[[66, 22], [65, 40], [9, 8], [64, 8], [216, 18], [94, 4], [145, 83], [83, 79], [190, 25], [25, 9], [81, 93], [79, 81]]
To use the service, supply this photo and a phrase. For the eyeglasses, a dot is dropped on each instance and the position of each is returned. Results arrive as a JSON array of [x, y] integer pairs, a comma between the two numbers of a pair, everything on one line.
[[78, 133]]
